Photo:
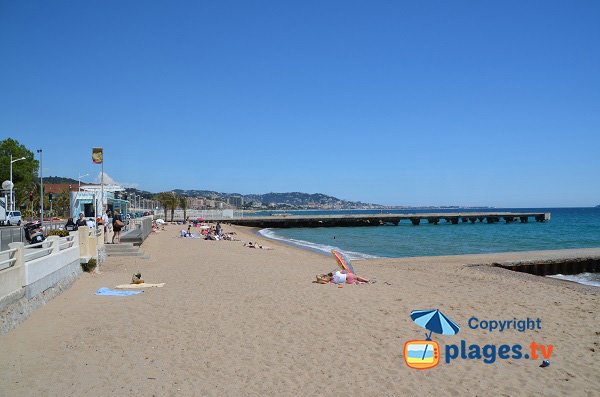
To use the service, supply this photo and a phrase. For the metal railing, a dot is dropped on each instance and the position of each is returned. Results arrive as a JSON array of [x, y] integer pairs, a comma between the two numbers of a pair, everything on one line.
[[10, 235], [52, 226]]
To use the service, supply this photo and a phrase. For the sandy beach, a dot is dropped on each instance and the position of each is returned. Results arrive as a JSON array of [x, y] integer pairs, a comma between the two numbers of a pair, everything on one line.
[[235, 321]]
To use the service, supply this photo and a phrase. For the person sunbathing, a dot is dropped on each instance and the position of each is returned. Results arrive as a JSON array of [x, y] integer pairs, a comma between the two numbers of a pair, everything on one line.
[[324, 278], [340, 277], [352, 278]]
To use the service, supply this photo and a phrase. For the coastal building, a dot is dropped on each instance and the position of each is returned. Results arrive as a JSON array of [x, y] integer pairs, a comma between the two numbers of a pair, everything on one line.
[[236, 201], [196, 203], [88, 200]]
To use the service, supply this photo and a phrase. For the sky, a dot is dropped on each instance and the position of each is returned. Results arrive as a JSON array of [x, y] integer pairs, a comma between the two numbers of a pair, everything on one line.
[[390, 102]]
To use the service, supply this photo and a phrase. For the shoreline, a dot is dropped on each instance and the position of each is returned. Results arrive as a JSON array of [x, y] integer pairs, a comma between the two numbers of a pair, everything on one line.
[[287, 243], [476, 259]]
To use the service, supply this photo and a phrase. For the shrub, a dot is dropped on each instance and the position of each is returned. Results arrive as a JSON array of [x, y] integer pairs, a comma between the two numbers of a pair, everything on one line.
[[59, 233], [89, 266]]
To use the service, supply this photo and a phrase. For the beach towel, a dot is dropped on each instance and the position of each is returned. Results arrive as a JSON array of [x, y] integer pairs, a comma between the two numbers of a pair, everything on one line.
[[142, 285], [110, 292]]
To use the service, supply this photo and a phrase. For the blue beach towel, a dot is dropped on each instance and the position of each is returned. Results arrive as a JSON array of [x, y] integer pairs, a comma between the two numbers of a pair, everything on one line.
[[111, 292]]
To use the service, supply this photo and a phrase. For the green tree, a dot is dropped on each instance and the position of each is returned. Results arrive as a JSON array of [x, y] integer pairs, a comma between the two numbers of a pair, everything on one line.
[[25, 172], [62, 203]]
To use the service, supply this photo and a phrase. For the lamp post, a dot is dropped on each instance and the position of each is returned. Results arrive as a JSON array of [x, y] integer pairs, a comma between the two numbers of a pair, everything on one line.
[[41, 190], [12, 199], [79, 179]]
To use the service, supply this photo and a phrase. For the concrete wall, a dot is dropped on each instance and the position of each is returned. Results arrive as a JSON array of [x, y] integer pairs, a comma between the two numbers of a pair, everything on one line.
[[34, 270], [10, 281], [89, 243], [42, 273], [139, 230], [36, 274], [11, 277]]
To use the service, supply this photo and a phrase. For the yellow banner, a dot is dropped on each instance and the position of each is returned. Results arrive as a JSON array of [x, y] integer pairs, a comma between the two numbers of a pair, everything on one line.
[[97, 155]]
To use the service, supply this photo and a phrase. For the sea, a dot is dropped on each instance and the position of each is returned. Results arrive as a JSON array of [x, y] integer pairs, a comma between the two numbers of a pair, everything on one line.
[[567, 228]]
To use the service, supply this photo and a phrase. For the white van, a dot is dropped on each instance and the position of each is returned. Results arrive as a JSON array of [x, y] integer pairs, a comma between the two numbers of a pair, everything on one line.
[[13, 218]]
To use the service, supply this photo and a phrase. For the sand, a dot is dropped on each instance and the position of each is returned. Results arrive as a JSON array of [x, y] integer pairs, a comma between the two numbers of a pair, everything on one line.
[[235, 321]]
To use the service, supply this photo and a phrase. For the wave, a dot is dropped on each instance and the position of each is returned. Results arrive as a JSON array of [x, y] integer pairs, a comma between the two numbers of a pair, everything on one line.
[[582, 278], [323, 248]]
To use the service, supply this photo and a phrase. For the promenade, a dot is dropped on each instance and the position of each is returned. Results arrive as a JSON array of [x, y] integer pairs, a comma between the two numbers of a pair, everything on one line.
[[235, 321]]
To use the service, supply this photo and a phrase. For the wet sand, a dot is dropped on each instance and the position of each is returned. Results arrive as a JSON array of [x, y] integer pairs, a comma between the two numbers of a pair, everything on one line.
[[238, 321]]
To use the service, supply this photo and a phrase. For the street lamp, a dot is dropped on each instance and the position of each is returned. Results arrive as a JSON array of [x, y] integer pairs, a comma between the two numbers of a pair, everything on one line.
[[12, 199], [79, 179], [41, 191]]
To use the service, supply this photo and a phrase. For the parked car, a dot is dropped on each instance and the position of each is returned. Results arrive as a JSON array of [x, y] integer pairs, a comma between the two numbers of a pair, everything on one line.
[[13, 218]]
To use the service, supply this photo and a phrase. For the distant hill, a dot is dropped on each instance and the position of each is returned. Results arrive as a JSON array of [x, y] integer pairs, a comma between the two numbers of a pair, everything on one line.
[[300, 199], [204, 193], [294, 199], [291, 199], [59, 179]]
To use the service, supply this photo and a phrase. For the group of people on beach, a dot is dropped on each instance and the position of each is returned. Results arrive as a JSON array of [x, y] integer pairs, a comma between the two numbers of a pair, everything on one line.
[[156, 228], [213, 232]]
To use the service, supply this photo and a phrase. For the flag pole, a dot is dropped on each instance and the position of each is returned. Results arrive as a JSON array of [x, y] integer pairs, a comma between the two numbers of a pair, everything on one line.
[[98, 157], [102, 188], [101, 212]]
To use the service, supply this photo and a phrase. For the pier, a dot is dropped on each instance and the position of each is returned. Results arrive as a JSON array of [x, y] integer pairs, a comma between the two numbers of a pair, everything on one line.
[[354, 220]]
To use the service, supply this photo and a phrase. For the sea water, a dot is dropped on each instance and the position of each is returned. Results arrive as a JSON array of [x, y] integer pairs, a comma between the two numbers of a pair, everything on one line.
[[567, 228]]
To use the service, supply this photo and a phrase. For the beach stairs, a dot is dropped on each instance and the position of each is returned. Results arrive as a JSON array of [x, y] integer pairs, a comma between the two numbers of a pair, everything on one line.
[[124, 249]]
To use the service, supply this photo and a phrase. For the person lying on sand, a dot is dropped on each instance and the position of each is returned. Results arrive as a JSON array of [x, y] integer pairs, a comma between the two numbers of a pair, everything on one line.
[[256, 245], [324, 278], [340, 277], [229, 237]]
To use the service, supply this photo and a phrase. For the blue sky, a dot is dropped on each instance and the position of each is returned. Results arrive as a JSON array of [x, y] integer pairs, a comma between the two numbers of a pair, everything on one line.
[[404, 103]]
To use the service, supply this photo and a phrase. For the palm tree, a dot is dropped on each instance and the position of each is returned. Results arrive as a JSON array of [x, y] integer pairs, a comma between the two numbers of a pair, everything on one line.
[[163, 199], [183, 203], [173, 201]]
